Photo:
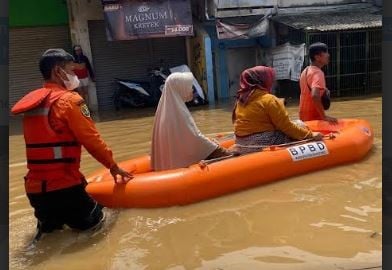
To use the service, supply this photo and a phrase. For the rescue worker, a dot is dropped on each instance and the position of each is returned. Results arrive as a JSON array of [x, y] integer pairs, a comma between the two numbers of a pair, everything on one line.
[[57, 124]]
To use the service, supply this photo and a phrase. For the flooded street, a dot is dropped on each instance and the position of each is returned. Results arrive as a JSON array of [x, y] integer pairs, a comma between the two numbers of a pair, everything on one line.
[[328, 219]]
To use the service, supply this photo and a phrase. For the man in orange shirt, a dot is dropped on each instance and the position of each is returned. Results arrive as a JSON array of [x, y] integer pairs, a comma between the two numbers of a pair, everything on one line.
[[56, 125], [313, 86]]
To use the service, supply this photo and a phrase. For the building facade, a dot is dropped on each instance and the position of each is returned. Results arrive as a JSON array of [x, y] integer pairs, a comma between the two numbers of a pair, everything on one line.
[[125, 59], [62, 24], [35, 26], [353, 34], [229, 36], [351, 29]]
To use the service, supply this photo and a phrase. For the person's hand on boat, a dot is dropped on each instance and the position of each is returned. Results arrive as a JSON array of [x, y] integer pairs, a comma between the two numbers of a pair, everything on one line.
[[317, 136], [125, 176], [331, 119]]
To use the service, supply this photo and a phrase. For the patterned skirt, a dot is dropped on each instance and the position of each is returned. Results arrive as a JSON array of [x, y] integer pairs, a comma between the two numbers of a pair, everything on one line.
[[256, 142]]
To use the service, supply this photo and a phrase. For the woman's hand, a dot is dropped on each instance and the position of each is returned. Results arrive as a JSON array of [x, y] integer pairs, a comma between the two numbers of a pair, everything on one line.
[[317, 136]]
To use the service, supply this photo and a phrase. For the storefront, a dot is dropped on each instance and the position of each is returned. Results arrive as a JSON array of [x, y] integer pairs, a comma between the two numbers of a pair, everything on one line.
[[129, 59], [236, 47], [124, 57], [33, 31], [354, 40]]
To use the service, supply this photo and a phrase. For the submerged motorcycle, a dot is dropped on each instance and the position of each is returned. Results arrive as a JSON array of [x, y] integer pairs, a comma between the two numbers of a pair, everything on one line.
[[132, 93], [138, 94]]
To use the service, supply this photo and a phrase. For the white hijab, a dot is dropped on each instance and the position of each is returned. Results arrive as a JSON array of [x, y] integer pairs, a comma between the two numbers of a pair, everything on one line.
[[176, 140]]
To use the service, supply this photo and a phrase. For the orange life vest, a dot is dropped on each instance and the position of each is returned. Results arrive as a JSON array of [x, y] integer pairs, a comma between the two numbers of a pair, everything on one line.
[[53, 158]]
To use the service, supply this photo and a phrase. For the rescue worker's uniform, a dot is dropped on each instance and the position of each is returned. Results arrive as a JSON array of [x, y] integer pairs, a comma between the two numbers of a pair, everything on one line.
[[56, 125]]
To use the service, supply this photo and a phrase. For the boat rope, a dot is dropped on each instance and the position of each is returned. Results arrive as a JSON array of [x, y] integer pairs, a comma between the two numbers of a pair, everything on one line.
[[204, 163], [329, 136]]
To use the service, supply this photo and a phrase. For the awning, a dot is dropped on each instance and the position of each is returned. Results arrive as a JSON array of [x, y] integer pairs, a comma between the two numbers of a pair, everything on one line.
[[333, 21], [243, 27]]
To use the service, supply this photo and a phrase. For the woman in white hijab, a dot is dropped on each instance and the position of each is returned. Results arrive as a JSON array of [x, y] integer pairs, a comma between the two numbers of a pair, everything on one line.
[[176, 140]]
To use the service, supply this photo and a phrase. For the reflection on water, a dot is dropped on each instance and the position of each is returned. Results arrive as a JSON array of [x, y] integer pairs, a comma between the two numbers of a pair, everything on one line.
[[322, 220]]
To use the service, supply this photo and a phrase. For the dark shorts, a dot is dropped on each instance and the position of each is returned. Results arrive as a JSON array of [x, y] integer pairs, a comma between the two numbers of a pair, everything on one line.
[[71, 206]]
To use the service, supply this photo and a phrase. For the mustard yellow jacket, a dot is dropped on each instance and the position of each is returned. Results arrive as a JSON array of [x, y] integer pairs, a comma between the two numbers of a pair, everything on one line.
[[265, 112]]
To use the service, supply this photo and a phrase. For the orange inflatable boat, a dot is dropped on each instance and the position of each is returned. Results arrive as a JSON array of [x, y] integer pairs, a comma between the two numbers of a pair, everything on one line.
[[350, 140]]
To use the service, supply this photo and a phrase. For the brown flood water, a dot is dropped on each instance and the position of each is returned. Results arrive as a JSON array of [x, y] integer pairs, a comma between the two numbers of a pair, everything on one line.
[[329, 219]]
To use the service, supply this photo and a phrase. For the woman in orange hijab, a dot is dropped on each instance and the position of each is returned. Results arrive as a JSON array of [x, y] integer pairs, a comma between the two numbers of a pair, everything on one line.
[[259, 117]]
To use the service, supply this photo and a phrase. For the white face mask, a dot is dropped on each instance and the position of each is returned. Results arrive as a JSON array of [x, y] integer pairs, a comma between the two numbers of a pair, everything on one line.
[[72, 82]]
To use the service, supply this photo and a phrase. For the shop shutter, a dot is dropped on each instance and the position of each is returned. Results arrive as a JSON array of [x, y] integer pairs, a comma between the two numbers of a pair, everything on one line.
[[26, 46], [129, 59]]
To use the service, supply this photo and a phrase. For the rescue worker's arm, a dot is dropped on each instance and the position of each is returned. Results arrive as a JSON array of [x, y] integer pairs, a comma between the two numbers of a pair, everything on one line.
[[125, 176], [80, 123], [316, 97], [318, 87]]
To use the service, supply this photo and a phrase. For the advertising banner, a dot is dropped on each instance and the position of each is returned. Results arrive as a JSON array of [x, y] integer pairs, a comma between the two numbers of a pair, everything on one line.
[[134, 19], [287, 60]]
